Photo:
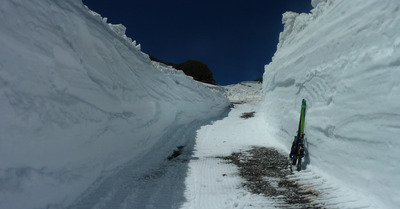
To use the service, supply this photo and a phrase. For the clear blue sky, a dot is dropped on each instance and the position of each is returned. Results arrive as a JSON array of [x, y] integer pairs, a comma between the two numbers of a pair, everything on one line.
[[235, 38]]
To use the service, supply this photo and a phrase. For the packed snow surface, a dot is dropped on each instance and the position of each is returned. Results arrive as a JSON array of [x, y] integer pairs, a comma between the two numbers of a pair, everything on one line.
[[213, 183], [344, 59], [82, 106]]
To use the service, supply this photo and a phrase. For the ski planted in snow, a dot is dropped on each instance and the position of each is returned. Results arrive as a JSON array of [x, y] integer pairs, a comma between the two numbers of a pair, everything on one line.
[[297, 151]]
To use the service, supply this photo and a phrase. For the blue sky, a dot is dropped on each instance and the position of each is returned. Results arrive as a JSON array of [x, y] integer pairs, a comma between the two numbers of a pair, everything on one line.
[[235, 38]]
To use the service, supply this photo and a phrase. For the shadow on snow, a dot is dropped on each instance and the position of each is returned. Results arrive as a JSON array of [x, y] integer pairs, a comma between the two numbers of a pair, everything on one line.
[[152, 181]]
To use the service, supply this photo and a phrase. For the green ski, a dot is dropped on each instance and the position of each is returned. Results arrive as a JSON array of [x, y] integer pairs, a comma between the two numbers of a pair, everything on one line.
[[297, 151]]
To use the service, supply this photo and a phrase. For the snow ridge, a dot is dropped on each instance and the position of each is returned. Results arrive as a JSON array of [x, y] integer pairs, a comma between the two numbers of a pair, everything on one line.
[[118, 29]]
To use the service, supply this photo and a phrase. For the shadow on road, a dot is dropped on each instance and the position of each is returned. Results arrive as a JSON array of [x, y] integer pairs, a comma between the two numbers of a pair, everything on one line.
[[154, 180]]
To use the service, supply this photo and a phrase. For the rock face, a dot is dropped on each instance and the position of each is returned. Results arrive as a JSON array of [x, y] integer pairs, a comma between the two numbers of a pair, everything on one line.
[[198, 70]]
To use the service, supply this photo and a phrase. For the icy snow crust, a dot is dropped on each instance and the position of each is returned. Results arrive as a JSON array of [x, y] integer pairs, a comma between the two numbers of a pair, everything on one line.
[[79, 100], [344, 59]]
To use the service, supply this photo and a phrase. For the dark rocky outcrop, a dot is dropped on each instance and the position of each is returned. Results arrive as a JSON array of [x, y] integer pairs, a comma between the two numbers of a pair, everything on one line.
[[196, 69], [259, 79]]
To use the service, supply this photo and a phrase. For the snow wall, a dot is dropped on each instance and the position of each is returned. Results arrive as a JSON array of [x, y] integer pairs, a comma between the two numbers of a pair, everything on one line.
[[78, 99], [344, 59]]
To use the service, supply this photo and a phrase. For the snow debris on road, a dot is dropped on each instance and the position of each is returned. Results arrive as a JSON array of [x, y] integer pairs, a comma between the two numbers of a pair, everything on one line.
[[266, 171]]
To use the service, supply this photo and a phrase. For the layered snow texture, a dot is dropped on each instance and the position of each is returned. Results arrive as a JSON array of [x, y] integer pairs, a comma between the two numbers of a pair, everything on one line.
[[79, 99], [344, 59]]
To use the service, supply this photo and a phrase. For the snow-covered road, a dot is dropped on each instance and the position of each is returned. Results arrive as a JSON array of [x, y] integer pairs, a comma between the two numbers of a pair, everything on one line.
[[213, 183]]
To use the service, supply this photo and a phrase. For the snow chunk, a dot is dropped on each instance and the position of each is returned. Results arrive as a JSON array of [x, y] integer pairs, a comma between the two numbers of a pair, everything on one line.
[[293, 24], [118, 29], [314, 3]]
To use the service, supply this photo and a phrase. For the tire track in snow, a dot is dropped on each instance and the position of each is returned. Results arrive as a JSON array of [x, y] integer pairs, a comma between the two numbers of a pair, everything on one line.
[[212, 187], [220, 189]]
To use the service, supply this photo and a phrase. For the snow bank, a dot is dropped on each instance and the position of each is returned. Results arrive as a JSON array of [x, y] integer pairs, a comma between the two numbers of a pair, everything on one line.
[[344, 59], [78, 99]]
